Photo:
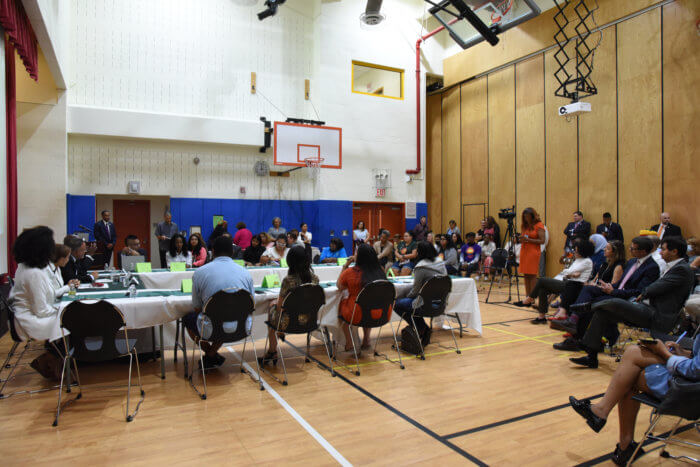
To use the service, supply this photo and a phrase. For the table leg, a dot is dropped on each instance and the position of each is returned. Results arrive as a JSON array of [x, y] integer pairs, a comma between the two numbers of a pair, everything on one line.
[[162, 353]]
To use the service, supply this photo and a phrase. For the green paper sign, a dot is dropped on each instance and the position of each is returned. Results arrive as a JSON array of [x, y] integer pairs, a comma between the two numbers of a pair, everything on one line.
[[178, 267], [342, 261], [217, 220], [390, 272], [143, 267], [239, 262], [283, 263], [270, 281], [186, 286]]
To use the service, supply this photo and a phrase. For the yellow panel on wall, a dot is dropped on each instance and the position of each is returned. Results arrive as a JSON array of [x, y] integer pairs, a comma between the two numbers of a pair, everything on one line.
[[42, 91], [560, 166], [597, 133], [529, 133], [433, 159], [681, 114], [501, 107], [451, 159], [475, 149], [639, 120]]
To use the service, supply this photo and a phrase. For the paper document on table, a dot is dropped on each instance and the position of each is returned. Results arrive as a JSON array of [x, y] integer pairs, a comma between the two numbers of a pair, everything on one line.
[[93, 286], [106, 281]]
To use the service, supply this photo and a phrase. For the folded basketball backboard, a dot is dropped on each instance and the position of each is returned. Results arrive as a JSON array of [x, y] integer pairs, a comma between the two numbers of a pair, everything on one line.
[[295, 144]]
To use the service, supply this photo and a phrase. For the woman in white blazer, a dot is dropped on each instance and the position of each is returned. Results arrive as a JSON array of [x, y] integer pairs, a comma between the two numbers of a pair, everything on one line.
[[61, 256]]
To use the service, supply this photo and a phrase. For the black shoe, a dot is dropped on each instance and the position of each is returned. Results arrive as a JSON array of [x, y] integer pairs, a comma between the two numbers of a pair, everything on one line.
[[621, 457], [521, 304], [269, 357], [539, 321], [565, 325], [211, 363], [589, 361], [583, 408], [425, 337], [580, 307], [569, 344]]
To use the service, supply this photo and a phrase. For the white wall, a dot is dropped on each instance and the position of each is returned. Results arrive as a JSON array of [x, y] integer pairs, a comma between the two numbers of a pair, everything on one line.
[[3, 165], [195, 58]]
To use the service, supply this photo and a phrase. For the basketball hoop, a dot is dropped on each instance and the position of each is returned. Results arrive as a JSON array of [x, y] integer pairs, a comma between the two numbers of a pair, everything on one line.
[[314, 164]]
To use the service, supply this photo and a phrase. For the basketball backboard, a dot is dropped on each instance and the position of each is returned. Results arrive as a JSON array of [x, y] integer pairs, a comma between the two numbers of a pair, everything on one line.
[[297, 143], [471, 21]]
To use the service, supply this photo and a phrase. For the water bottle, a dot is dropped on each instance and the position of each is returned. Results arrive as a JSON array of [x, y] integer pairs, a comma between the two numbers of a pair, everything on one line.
[[71, 290], [132, 291]]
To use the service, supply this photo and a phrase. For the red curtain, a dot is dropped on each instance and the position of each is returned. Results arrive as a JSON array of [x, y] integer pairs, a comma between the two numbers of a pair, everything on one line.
[[14, 20], [11, 135]]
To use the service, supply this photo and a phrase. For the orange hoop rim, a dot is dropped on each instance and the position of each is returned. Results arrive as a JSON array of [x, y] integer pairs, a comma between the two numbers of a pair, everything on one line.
[[313, 162]]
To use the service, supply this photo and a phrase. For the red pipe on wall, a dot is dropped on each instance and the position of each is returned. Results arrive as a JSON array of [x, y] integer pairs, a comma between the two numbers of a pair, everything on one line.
[[418, 43]]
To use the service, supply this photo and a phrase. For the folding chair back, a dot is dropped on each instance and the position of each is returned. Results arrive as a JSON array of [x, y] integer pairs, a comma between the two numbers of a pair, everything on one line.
[[500, 258], [434, 294], [230, 313], [682, 399], [299, 314], [374, 303], [6, 310], [93, 330]]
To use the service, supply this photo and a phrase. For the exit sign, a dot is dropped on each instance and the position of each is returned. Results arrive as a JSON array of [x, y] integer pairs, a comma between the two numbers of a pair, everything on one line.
[[381, 192]]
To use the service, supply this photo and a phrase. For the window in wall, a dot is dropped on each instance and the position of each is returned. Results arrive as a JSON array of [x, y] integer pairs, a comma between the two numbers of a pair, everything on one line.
[[377, 80]]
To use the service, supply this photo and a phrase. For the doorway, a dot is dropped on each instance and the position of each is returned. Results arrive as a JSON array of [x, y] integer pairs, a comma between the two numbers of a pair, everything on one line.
[[389, 216], [132, 218]]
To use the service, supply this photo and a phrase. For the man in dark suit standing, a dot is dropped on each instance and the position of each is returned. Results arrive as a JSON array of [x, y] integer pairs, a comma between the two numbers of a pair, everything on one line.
[[655, 308], [104, 232], [665, 228], [578, 228], [609, 229]]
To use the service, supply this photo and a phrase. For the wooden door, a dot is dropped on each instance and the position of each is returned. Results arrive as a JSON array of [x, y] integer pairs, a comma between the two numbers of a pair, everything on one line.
[[132, 217], [389, 216], [365, 213]]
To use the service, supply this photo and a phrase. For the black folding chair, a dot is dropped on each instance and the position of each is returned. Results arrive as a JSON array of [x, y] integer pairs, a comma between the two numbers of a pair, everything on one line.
[[502, 264], [226, 317], [377, 296], [94, 337], [299, 315], [682, 401], [431, 303], [180, 344]]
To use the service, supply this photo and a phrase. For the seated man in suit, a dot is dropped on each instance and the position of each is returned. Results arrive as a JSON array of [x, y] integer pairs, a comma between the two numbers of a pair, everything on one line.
[[665, 228], [104, 233], [132, 248], [78, 263], [609, 229], [639, 272], [576, 229], [655, 308]]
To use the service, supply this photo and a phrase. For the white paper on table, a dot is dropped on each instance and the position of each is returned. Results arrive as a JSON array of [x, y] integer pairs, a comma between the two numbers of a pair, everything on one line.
[[106, 281], [92, 286]]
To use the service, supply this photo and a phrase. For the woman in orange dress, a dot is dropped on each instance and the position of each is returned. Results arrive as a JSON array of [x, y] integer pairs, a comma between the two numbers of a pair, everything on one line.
[[531, 238]]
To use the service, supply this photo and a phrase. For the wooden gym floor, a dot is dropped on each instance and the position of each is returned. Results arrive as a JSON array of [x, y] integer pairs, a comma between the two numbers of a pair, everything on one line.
[[503, 401]]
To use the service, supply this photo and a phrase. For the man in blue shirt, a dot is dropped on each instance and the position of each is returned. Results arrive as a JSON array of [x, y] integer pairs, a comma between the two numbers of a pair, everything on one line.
[[222, 273], [330, 254]]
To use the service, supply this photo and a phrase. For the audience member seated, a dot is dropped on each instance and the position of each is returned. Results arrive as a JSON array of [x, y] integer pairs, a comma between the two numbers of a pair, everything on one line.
[[365, 270], [644, 368], [638, 273], [405, 255], [693, 250], [274, 254], [304, 235], [299, 273], [665, 228], [427, 266], [293, 238], [61, 256], [609, 229], [242, 236], [448, 254], [469, 256], [488, 246], [420, 231], [480, 232], [656, 308], [494, 230], [252, 254], [198, 249], [220, 229], [453, 228], [33, 295], [579, 228], [430, 238], [335, 250], [179, 253], [457, 241], [267, 242], [219, 274], [78, 264], [656, 254], [276, 230], [360, 234], [598, 256], [567, 283], [132, 248], [384, 249]]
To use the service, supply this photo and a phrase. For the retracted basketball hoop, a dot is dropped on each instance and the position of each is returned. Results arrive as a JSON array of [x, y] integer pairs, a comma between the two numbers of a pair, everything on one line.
[[314, 166]]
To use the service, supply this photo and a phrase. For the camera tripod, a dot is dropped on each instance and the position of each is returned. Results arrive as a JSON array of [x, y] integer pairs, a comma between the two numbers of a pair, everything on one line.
[[505, 261]]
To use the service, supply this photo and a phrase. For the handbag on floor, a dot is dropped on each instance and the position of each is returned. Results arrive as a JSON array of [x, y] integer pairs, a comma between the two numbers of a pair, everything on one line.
[[410, 341]]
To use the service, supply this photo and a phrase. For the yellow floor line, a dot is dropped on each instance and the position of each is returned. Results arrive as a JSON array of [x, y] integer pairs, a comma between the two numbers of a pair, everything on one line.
[[536, 338]]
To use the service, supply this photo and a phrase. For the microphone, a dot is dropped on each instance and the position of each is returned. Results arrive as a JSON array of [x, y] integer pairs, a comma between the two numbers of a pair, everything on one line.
[[84, 228]]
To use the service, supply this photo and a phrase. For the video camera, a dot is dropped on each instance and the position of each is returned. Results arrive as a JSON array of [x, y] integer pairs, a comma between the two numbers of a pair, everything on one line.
[[507, 213]]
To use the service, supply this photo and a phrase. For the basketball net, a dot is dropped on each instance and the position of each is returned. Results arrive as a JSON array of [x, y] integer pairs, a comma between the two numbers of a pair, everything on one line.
[[314, 166]]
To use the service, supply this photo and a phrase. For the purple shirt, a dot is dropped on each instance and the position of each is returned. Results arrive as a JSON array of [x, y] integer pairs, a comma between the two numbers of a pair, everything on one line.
[[469, 253]]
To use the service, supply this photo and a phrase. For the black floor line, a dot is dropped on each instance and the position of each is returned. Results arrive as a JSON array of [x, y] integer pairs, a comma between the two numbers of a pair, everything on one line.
[[606, 457], [396, 411], [511, 420]]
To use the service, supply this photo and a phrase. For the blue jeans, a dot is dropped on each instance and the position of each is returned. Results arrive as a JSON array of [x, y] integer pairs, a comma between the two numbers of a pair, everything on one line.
[[404, 307]]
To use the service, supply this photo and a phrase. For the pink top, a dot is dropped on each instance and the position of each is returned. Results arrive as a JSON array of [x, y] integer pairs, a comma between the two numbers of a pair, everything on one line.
[[199, 258], [242, 238]]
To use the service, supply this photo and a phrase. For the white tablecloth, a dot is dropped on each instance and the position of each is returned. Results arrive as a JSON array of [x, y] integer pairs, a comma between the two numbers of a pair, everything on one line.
[[144, 312], [172, 280]]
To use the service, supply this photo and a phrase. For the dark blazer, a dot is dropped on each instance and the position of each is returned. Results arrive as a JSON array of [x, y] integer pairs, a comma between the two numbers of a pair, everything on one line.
[[646, 274], [583, 230], [76, 269], [614, 232], [101, 234], [671, 230], [668, 294]]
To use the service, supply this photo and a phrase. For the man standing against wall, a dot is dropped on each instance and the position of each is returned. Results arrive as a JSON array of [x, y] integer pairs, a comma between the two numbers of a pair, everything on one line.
[[609, 229], [106, 235], [164, 232], [665, 228]]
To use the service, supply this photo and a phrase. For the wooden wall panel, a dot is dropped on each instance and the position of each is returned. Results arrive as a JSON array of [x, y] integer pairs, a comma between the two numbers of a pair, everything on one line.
[[639, 120], [561, 168], [475, 142], [433, 160], [451, 160], [597, 133], [681, 114], [529, 134], [501, 109], [472, 215]]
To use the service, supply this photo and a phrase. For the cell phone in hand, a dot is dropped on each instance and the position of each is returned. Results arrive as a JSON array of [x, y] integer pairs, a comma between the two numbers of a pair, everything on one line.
[[647, 341]]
